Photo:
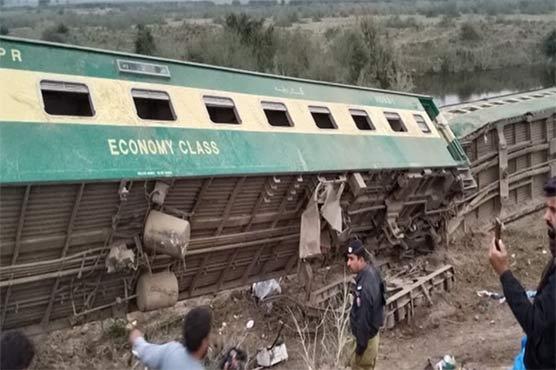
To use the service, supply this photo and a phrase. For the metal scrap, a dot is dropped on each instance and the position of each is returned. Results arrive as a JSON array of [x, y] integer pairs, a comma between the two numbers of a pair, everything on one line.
[[401, 305], [120, 258]]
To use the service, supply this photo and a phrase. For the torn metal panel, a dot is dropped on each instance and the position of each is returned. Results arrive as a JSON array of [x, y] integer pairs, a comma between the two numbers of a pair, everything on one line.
[[331, 209], [309, 240]]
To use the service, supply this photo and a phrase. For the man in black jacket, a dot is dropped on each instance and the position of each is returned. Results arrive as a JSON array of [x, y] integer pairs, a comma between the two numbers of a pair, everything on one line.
[[538, 319], [16, 351], [367, 311]]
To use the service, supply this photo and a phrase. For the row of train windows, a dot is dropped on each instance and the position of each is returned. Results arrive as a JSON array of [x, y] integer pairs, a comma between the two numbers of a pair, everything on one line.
[[73, 99]]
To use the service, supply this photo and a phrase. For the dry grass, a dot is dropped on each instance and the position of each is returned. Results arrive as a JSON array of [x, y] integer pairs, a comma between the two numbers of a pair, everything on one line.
[[323, 340]]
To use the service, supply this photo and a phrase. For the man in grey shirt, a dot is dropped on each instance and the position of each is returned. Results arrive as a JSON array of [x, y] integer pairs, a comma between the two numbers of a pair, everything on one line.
[[175, 355]]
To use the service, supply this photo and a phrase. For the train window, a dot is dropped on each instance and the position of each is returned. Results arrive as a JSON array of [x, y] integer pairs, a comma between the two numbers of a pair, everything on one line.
[[153, 105], [66, 99], [361, 119], [395, 121], [422, 123], [323, 117], [221, 110], [277, 114]]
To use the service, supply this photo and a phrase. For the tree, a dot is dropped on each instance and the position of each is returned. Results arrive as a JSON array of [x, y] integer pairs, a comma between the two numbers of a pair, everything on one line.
[[59, 33], [469, 32], [549, 45], [144, 42], [384, 67], [259, 39], [294, 54], [351, 54], [62, 28]]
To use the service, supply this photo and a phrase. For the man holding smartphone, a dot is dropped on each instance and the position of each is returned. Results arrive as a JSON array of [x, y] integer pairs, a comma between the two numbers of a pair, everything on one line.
[[537, 318]]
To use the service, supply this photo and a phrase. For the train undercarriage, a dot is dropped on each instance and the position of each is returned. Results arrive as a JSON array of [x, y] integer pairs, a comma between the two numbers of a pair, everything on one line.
[[75, 252]]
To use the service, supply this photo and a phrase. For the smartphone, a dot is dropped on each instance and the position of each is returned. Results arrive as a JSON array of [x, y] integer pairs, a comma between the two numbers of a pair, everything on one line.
[[498, 227]]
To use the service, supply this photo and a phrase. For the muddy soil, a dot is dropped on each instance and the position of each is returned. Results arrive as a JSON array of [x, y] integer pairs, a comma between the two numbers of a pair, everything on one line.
[[479, 332]]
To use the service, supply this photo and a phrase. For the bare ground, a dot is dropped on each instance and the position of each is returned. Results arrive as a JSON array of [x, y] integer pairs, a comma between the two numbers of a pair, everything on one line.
[[480, 332]]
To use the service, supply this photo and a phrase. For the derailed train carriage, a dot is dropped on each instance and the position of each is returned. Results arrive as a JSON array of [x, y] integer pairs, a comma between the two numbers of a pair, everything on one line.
[[115, 166], [511, 145]]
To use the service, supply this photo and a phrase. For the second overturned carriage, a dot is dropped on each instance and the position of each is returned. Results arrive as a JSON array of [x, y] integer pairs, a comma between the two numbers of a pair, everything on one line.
[[102, 151], [511, 144]]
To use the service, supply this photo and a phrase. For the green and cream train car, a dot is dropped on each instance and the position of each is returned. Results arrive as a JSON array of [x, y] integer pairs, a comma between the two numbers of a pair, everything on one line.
[[120, 173]]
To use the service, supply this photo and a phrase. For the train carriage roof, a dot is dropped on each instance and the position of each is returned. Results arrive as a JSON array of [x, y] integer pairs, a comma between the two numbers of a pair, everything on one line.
[[467, 118], [85, 61]]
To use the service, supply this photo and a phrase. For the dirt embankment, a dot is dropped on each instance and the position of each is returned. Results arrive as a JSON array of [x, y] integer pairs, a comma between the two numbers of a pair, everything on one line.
[[480, 332]]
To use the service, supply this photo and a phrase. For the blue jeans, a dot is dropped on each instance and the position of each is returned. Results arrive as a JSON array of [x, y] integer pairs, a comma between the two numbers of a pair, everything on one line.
[[518, 361]]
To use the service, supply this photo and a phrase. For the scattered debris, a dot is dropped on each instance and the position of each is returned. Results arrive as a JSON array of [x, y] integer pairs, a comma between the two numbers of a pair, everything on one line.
[[264, 290], [500, 297], [486, 293], [234, 359], [275, 353], [448, 362], [401, 305], [270, 357], [267, 288], [120, 258]]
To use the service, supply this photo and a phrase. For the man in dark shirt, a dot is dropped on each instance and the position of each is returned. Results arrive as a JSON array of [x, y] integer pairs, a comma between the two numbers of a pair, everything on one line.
[[367, 311], [16, 351], [538, 319]]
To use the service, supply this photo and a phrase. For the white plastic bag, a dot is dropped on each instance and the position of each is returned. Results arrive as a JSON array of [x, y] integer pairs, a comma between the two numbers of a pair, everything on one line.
[[266, 288]]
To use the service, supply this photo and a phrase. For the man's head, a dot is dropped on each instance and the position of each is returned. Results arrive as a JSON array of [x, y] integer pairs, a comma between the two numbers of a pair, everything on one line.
[[550, 214], [196, 330], [16, 352], [356, 256]]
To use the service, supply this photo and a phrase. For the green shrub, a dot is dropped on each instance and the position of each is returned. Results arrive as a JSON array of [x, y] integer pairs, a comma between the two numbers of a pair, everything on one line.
[[469, 32], [59, 33], [549, 45], [144, 41]]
